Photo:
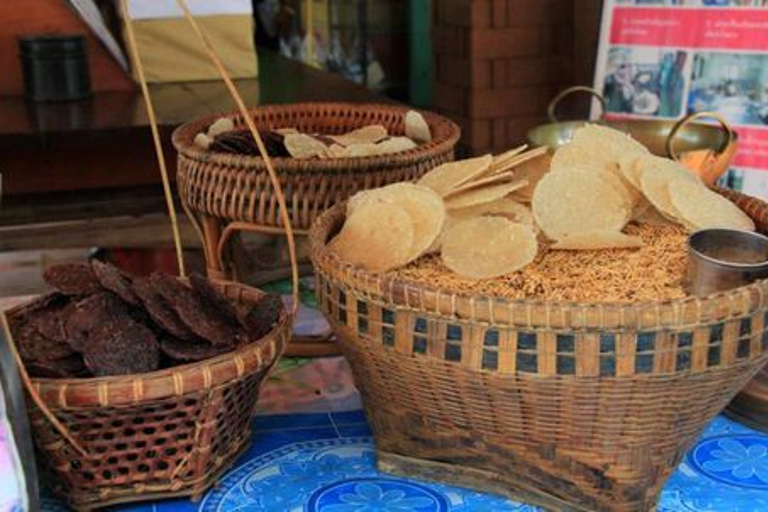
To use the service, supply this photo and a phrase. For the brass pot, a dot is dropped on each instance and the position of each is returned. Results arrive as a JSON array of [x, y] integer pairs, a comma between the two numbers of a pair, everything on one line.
[[705, 149]]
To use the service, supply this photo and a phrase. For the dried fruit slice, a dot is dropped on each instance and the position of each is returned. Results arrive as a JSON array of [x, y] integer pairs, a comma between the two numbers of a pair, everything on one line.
[[416, 127], [482, 195], [444, 178], [598, 239], [578, 200], [377, 236], [703, 208], [486, 247]]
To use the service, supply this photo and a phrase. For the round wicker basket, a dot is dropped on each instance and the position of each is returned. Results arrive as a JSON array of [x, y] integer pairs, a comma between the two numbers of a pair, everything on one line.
[[237, 188], [566, 405], [157, 435]]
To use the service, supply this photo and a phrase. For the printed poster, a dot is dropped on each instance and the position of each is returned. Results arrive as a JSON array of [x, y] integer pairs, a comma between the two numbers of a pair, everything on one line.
[[665, 59]]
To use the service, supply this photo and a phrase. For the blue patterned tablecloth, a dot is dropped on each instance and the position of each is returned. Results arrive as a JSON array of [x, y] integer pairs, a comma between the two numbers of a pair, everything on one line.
[[325, 462]]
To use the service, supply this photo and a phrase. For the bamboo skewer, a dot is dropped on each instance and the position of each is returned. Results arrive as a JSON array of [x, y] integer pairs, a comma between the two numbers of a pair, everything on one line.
[[134, 54]]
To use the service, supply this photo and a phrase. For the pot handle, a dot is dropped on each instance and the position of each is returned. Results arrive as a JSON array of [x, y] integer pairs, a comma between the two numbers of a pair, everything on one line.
[[672, 138], [567, 92]]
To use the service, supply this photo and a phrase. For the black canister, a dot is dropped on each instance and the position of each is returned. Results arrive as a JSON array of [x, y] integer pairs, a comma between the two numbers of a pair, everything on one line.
[[55, 67]]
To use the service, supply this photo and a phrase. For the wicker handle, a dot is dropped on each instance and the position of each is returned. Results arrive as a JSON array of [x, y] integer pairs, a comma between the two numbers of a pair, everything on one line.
[[32, 390], [672, 139], [567, 92], [246, 118]]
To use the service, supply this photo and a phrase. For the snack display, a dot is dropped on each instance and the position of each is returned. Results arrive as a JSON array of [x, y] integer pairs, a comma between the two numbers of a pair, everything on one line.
[[100, 321], [371, 140], [607, 222]]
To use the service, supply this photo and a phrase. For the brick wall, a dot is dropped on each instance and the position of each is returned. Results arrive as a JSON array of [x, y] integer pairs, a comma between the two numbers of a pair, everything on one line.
[[499, 62]]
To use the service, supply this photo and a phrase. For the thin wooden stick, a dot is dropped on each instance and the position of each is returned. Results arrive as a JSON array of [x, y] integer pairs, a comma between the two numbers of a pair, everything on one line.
[[136, 60], [64, 431], [259, 143]]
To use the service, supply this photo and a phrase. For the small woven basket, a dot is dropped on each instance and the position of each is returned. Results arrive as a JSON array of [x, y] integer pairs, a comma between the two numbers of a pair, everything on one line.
[[237, 188], [568, 406], [158, 435]]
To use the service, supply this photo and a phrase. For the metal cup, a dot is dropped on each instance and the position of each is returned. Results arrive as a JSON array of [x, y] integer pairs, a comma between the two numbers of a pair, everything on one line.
[[722, 259]]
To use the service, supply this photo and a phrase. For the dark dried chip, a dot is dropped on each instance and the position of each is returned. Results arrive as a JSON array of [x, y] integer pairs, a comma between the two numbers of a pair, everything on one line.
[[260, 318], [33, 346], [165, 317], [202, 318], [116, 281], [131, 349], [68, 367], [51, 322], [207, 292], [191, 350], [240, 142], [72, 279], [95, 317]]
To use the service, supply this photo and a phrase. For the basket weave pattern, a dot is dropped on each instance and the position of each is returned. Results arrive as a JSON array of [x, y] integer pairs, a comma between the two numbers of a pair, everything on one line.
[[570, 406], [161, 434], [237, 188]]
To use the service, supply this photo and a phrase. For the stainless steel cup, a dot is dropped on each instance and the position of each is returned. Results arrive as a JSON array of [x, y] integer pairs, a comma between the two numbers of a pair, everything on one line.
[[722, 259]]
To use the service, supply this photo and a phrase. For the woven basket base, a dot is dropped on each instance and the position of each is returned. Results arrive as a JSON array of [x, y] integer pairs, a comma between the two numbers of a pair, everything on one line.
[[471, 478], [193, 493]]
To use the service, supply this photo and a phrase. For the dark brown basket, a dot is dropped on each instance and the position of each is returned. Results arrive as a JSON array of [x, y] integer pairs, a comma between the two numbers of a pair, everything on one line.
[[237, 188], [566, 405], [157, 435]]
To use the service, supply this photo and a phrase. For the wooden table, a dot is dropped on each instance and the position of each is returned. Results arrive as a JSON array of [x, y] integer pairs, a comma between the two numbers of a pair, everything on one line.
[[90, 164]]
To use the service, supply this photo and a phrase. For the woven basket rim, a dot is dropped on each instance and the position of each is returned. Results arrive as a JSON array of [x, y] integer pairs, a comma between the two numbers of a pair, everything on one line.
[[448, 135], [168, 373], [323, 259]]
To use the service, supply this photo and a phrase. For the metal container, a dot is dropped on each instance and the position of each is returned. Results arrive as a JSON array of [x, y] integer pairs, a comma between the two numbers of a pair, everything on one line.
[[706, 149], [721, 259], [55, 67]]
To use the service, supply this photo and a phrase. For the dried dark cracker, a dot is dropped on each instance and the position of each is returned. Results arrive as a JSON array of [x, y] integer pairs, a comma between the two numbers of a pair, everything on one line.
[[160, 311], [191, 350], [68, 367], [95, 317], [258, 319], [72, 279], [116, 281], [201, 317], [131, 349]]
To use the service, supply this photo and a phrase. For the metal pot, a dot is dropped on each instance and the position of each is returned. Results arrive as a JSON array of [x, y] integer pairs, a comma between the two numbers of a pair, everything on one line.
[[704, 148]]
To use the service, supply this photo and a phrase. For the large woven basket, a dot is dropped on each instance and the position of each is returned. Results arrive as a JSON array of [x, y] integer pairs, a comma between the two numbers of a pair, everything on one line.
[[569, 406], [158, 435], [237, 188]]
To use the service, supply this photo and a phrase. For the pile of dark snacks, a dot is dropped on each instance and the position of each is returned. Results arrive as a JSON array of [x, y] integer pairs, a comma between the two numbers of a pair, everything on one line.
[[101, 321]]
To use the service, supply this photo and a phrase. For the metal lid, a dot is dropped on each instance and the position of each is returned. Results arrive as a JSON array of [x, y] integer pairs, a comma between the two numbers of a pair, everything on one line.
[[52, 45]]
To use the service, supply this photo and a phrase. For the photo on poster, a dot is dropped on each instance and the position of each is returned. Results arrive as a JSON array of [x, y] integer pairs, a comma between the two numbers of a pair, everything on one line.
[[647, 82], [734, 85]]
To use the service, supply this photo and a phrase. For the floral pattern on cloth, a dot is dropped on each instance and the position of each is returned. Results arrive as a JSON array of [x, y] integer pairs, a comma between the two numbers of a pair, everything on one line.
[[338, 475]]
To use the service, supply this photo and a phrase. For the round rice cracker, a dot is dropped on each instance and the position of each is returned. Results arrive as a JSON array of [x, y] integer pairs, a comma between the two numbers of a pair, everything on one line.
[[444, 178], [656, 174], [595, 145], [487, 247], [423, 205], [482, 195], [377, 236], [702, 208], [504, 207], [566, 203], [598, 239]]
